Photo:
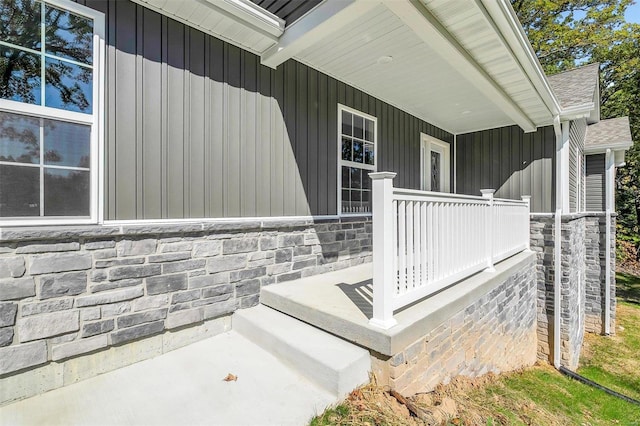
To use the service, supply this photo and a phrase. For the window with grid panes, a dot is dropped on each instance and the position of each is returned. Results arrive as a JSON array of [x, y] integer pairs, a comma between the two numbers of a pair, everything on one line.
[[357, 159], [49, 112]]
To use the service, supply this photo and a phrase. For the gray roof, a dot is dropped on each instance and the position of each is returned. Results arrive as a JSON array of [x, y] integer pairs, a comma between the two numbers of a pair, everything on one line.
[[613, 133], [287, 10], [575, 87]]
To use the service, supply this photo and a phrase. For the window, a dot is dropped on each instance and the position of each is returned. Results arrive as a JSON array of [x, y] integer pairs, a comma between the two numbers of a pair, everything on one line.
[[50, 111], [357, 154]]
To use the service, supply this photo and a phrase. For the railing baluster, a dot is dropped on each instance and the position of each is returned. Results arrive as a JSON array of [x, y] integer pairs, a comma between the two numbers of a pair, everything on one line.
[[402, 247], [417, 246], [410, 248], [423, 244]]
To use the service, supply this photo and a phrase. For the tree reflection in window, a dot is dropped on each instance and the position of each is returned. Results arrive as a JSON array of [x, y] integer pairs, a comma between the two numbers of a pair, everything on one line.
[[67, 57]]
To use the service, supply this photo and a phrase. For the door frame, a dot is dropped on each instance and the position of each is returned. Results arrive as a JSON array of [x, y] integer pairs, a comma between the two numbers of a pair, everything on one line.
[[428, 144]]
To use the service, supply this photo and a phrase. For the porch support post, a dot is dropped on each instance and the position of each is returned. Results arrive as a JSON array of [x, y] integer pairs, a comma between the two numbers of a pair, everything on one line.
[[383, 273], [489, 228], [527, 199]]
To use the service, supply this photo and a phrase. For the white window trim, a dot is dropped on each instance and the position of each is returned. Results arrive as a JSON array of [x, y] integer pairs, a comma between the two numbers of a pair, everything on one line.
[[427, 141], [340, 161], [96, 120]]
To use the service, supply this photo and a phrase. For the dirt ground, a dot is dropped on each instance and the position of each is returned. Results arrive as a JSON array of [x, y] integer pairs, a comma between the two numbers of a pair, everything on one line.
[[629, 262]]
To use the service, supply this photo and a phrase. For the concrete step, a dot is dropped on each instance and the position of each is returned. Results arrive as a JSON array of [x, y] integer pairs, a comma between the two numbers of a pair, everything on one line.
[[335, 364]]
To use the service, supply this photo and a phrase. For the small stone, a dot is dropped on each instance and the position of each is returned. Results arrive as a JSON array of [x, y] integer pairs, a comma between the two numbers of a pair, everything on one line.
[[109, 297], [166, 283], [185, 265], [12, 267], [217, 290], [170, 257], [268, 243], [137, 247], [248, 287], [47, 307], [47, 325], [208, 280], [137, 271], [119, 262], [98, 327], [90, 314], [240, 245], [97, 245], [182, 318], [115, 309], [226, 263], [78, 347], [8, 313], [6, 336], [18, 357], [110, 285], [218, 309], [206, 249], [137, 332], [69, 284], [284, 255], [64, 262], [17, 288], [246, 274], [150, 302], [141, 318], [48, 248], [185, 296]]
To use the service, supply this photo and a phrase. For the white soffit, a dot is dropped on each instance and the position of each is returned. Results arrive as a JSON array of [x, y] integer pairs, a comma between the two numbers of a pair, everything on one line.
[[239, 22], [418, 79]]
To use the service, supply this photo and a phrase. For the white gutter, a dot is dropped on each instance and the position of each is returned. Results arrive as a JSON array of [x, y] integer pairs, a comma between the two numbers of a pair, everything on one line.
[[557, 238], [609, 176], [251, 14]]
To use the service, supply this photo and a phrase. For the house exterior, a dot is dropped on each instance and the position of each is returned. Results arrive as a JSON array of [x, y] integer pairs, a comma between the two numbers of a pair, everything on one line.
[[162, 162]]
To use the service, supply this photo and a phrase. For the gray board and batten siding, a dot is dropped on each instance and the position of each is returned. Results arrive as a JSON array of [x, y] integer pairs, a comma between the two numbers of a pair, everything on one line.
[[197, 128], [510, 161], [577, 132], [595, 183]]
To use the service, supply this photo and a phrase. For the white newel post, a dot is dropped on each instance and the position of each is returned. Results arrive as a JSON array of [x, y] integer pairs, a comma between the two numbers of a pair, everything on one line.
[[527, 199], [489, 228], [383, 278]]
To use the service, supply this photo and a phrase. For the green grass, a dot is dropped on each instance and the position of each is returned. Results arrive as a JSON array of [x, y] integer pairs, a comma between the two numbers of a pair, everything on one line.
[[614, 361], [628, 288]]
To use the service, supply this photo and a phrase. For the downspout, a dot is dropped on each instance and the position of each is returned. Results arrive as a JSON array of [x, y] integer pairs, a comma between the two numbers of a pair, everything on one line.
[[455, 164], [609, 170], [557, 258]]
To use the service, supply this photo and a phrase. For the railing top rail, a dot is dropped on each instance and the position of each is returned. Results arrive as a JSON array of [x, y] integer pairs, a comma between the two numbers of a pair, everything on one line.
[[402, 193]]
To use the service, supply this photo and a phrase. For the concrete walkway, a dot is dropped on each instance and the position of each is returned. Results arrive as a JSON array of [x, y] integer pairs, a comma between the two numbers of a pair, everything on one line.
[[183, 387]]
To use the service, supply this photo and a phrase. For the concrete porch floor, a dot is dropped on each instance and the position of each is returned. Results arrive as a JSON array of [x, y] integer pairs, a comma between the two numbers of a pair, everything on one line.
[[183, 387], [340, 302]]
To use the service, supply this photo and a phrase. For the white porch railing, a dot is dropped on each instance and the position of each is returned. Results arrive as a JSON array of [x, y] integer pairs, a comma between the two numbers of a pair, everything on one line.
[[425, 241]]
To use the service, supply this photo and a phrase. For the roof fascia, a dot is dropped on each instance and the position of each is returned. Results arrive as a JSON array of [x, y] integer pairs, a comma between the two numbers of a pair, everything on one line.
[[415, 15], [576, 112], [251, 14], [601, 149], [321, 21], [510, 29]]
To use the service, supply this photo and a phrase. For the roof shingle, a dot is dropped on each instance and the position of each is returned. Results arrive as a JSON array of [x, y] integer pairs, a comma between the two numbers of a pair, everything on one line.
[[575, 87], [613, 133]]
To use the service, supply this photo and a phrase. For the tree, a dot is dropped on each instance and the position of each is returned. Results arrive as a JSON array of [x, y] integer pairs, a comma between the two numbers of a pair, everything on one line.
[[567, 33]]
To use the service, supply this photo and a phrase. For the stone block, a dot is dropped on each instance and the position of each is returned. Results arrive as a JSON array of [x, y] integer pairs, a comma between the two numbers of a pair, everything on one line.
[[68, 284], [90, 314], [99, 327], [290, 240], [115, 309], [141, 317], [78, 347], [208, 280], [47, 325], [136, 247], [302, 264], [63, 262], [248, 287], [208, 301], [217, 290], [289, 277], [97, 245], [284, 255], [240, 245], [137, 332], [98, 276], [218, 309], [18, 357], [111, 285], [185, 265], [135, 271], [166, 284], [185, 296], [174, 246], [246, 274], [249, 301], [119, 262], [268, 243], [150, 302], [109, 297], [182, 318], [206, 248], [48, 248], [12, 267], [47, 307], [6, 336], [170, 257], [226, 263], [8, 313], [104, 254], [17, 288]]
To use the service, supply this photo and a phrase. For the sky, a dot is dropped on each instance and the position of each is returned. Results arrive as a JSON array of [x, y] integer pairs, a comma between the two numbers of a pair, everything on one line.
[[633, 13]]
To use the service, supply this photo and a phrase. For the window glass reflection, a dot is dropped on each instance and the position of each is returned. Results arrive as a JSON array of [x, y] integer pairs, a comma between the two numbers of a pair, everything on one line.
[[66, 144], [68, 86], [66, 192], [19, 75], [68, 35], [19, 138], [19, 191], [20, 23]]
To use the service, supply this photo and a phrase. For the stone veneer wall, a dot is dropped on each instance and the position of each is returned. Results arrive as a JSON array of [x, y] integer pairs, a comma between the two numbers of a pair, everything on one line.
[[495, 333], [66, 292], [582, 282]]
